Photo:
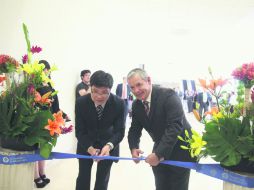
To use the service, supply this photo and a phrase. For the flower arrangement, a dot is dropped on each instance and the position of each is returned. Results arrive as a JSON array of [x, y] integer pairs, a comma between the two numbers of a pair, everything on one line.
[[24, 113], [228, 133], [245, 74]]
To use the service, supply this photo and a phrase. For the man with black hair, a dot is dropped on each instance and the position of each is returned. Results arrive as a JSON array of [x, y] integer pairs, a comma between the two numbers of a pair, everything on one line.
[[83, 87], [100, 127]]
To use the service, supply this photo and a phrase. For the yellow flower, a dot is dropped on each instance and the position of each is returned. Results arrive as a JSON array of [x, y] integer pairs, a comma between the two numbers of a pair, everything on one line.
[[32, 68], [218, 115], [196, 144], [45, 79]]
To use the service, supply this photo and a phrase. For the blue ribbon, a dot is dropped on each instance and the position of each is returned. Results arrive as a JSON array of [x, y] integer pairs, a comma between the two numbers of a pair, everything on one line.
[[213, 170]]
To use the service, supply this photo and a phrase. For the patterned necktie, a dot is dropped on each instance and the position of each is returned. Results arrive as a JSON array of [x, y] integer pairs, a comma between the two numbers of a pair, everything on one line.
[[146, 106], [99, 110]]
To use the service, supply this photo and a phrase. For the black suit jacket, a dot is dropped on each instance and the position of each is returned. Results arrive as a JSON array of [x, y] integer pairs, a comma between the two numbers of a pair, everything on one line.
[[165, 122], [119, 90], [93, 132]]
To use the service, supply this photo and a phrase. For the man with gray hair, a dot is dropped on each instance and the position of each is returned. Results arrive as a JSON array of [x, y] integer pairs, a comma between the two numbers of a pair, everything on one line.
[[159, 111]]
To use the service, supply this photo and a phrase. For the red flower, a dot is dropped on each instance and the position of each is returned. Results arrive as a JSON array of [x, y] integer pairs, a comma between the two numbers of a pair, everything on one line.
[[3, 59], [7, 64], [2, 78]]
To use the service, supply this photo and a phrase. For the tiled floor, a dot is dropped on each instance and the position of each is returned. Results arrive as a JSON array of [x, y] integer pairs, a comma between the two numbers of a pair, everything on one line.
[[125, 175]]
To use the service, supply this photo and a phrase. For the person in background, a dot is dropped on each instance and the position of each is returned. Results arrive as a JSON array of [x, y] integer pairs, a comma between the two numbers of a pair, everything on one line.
[[123, 91], [40, 178], [159, 111], [100, 127], [83, 87], [204, 99]]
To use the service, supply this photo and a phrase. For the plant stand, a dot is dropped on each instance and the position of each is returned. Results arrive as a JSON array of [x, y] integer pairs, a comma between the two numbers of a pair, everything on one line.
[[230, 186], [20, 176]]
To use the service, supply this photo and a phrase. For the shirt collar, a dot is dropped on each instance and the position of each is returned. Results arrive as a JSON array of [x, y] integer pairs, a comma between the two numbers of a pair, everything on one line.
[[103, 105]]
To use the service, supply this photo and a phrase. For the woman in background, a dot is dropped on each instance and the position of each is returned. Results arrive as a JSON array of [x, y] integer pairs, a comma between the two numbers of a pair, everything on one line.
[[40, 177]]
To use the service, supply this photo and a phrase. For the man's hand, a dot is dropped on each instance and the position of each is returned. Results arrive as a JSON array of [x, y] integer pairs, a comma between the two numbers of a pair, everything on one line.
[[93, 151], [153, 159], [105, 150], [136, 154]]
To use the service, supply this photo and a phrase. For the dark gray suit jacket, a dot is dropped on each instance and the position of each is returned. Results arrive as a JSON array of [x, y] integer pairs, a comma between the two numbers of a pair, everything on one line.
[[93, 132], [165, 122], [119, 90]]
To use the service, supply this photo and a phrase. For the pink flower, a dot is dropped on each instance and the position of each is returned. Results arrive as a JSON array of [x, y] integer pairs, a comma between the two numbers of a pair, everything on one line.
[[24, 59], [36, 49], [245, 74]]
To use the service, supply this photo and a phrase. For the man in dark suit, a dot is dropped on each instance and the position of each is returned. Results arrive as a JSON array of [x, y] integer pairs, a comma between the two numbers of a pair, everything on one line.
[[100, 127], [159, 111], [123, 91], [203, 98]]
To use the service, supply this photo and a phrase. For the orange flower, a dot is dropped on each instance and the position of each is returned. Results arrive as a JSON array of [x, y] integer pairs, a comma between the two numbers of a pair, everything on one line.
[[2, 78], [53, 127], [203, 83], [213, 84], [196, 114], [59, 118], [214, 110], [42, 99]]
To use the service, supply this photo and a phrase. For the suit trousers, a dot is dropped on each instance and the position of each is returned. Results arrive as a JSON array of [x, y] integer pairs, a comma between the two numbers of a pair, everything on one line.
[[171, 177], [102, 174]]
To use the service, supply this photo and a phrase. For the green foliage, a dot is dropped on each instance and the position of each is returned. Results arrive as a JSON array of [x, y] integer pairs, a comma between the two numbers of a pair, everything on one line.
[[20, 118], [20, 115], [228, 140]]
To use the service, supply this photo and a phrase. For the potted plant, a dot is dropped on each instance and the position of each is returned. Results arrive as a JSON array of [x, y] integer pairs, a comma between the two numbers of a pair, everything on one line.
[[24, 125], [228, 133]]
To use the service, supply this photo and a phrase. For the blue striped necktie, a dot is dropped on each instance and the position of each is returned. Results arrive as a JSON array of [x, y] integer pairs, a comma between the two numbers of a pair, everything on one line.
[[99, 110]]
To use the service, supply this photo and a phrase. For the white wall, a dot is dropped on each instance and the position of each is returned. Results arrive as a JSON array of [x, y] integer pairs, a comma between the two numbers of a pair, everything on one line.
[[175, 39]]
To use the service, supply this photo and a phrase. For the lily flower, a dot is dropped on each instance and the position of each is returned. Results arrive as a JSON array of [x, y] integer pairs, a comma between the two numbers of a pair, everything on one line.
[[43, 100], [53, 127], [59, 118]]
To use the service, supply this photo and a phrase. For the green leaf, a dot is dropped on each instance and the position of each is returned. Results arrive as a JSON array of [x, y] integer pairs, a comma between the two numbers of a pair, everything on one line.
[[180, 138], [45, 150], [184, 147], [25, 30], [221, 138]]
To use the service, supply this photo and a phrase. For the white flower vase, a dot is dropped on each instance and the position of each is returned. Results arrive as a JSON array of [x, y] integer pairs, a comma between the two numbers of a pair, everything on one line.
[[16, 177], [231, 186]]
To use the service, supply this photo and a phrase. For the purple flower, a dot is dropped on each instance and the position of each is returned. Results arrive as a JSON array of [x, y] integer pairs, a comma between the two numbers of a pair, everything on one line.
[[30, 89], [36, 49], [24, 59], [65, 130]]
